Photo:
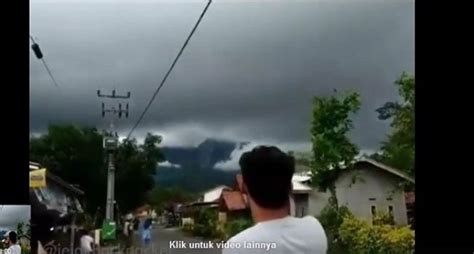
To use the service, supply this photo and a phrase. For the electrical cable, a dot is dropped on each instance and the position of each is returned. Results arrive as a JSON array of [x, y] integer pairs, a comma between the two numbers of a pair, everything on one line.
[[46, 66], [168, 72]]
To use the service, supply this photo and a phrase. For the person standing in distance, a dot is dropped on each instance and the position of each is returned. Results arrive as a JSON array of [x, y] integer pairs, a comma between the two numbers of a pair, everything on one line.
[[13, 247], [87, 242], [267, 174]]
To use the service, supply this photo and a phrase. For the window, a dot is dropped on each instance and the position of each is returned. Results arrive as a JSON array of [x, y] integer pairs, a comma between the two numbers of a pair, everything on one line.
[[373, 211], [390, 213], [372, 199], [390, 210]]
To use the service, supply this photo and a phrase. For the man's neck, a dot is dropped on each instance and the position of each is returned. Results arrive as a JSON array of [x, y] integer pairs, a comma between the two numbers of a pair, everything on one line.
[[261, 214]]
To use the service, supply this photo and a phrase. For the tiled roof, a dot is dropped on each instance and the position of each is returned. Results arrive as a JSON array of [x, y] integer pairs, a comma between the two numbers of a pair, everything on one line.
[[234, 200], [213, 195], [239, 180], [388, 169]]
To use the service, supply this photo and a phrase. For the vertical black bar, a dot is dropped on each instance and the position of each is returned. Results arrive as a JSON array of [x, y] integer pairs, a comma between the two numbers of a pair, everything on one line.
[[15, 105]]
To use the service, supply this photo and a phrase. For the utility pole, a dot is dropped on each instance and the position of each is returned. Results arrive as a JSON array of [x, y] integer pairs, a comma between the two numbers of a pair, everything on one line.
[[110, 145]]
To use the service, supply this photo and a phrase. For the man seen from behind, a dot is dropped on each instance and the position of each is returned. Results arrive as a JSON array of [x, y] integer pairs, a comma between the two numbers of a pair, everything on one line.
[[267, 174]]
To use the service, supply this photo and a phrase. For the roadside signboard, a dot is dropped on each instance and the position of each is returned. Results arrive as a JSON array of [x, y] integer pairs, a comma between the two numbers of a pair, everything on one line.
[[38, 178], [109, 229]]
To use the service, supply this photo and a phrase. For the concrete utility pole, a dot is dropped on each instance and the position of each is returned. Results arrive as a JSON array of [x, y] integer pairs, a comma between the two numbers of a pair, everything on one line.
[[110, 145]]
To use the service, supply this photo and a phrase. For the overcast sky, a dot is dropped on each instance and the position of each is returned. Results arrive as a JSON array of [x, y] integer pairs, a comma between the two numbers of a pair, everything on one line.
[[248, 74], [11, 215]]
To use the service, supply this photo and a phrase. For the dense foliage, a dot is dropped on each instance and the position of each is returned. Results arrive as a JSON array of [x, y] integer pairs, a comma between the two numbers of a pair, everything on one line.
[[361, 237], [205, 223], [76, 155], [193, 179], [399, 149], [332, 149], [238, 225], [331, 218], [162, 198]]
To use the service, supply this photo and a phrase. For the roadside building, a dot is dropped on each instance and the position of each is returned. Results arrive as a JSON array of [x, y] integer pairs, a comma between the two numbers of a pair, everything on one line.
[[366, 188], [55, 202]]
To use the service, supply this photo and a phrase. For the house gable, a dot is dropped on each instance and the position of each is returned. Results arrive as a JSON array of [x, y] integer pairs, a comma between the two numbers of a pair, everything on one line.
[[214, 194], [365, 186]]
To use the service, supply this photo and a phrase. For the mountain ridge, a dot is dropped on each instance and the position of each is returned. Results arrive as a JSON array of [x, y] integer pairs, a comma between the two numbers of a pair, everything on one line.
[[195, 165]]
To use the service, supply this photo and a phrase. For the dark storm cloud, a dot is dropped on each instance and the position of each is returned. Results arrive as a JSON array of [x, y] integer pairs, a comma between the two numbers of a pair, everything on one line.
[[11, 215], [250, 71]]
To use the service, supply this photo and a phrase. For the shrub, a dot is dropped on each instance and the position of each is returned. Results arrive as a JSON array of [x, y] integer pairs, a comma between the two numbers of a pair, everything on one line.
[[205, 224], [383, 219], [221, 233], [361, 237], [188, 227], [331, 218], [25, 249], [238, 225]]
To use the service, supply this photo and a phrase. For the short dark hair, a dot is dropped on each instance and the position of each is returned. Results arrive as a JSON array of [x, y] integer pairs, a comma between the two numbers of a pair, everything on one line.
[[12, 236], [267, 173]]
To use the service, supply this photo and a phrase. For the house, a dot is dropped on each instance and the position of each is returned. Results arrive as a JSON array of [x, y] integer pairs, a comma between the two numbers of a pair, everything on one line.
[[56, 201], [239, 186], [57, 194], [366, 188], [234, 203], [299, 199], [214, 194], [410, 201], [209, 199]]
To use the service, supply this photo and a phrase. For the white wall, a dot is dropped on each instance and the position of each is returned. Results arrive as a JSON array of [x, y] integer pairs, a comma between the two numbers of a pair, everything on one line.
[[292, 206], [317, 201], [375, 184]]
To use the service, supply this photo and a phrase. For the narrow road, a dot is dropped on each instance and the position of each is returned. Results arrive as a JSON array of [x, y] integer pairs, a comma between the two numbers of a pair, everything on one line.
[[174, 241]]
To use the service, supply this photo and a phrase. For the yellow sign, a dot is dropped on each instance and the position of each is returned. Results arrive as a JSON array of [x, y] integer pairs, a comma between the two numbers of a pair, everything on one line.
[[38, 178]]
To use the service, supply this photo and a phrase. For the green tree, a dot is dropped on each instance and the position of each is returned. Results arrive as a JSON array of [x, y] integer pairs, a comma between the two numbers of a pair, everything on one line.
[[399, 149], [28, 229], [136, 166], [161, 197], [19, 228], [332, 149], [76, 155]]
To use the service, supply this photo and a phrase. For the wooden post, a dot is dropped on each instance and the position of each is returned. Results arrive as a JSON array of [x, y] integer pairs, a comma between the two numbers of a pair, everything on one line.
[[73, 229]]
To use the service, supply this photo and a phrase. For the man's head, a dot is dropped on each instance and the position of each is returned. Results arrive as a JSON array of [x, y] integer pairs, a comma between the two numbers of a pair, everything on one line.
[[267, 173], [12, 238]]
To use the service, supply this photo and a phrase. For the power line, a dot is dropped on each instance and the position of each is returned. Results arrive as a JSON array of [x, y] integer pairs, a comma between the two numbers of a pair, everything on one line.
[[39, 55], [169, 71], [50, 74]]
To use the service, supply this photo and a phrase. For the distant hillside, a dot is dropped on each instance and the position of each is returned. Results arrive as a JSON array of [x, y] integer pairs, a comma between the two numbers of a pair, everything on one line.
[[195, 180], [196, 172]]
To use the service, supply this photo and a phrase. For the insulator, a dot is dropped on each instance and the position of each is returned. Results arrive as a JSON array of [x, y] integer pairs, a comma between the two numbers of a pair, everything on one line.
[[37, 51]]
